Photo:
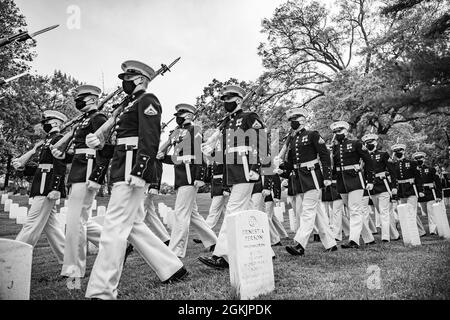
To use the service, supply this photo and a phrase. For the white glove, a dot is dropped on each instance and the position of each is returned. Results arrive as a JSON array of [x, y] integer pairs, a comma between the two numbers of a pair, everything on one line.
[[277, 161], [54, 195], [17, 164], [265, 192], [394, 191], [226, 194], [198, 183], [285, 183], [57, 154], [369, 186], [93, 186], [136, 182], [153, 191], [421, 194], [438, 199], [206, 148], [253, 175], [92, 141], [327, 183], [160, 155], [276, 200], [278, 171]]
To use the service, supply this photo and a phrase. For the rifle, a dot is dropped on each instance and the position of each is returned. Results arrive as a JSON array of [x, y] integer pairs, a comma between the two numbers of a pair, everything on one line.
[[23, 36], [104, 131], [165, 147], [210, 144], [5, 81], [27, 156], [64, 143]]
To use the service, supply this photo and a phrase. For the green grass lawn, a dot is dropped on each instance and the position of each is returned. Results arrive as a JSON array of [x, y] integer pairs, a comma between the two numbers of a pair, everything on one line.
[[405, 273]]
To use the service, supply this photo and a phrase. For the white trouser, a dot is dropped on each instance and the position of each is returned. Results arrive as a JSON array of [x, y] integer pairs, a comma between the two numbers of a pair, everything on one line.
[[79, 230], [257, 202], [345, 221], [358, 216], [311, 214], [297, 206], [42, 217], [428, 207], [367, 215], [216, 210], [372, 220], [335, 211], [124, 221], [382, 203], [239, 200], [186, 213], [412, 200], [152, 220], [276, 229]]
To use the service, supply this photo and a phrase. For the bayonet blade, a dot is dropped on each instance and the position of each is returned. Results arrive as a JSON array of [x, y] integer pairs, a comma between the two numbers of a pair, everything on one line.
[[43, 30]]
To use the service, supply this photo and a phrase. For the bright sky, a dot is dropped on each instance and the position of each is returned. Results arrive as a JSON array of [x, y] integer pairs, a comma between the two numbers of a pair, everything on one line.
[[214, 38]]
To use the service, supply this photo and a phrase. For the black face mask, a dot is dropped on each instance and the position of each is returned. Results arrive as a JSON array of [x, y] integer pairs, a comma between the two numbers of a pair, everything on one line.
[[128, 86], [399, 154], [47, 127], [340, 136], [80, 104], [420, 162], [295, 125], [370, 146], [230, 106], [180, 121]]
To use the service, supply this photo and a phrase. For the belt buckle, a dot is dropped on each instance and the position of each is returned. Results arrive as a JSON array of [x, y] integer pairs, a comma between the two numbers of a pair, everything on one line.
[[129, 147]]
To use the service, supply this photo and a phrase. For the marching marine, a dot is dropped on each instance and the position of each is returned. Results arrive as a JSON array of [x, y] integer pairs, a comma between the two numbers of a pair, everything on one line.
[[85, 177], [189, 175], [305, 147], [47, 187], [137, 134], [241, 174], [431, 186], [347, 155], [408, 180], [382, 192]]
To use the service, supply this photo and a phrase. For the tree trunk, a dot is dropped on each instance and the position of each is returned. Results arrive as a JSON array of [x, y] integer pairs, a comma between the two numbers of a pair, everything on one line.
[[8, 169]]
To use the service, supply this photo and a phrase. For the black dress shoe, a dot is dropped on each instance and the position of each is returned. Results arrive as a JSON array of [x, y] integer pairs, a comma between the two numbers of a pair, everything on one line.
[[177, 276], [212, 248], [423, 235], [167, 242], [197, 241], [298, 250], [333, 248], [396, 239], [278, 244], [214, 262], [384, 240], [129, 250], [352, 244], [316, 238], [371, 243], [337, 240]]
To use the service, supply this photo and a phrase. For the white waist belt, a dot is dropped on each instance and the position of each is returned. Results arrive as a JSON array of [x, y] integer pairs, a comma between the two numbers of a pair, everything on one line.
[[309, 164], [185, 158], [45, 166], [130, 141], [352, 167], [87, 151], [218, 176], [406, 181], [240, 149], [380, 175], [429, 185]]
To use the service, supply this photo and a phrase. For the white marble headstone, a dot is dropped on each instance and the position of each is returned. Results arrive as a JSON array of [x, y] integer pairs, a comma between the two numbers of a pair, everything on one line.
[[15, 269], [3, 198], [13, 210], [441, 220], [250, 254], [8, 203], [408, 224], [21, 216], [101, 210]]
